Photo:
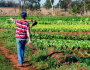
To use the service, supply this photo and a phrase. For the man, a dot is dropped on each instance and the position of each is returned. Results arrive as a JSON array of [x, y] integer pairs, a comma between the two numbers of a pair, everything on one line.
[[22, 30]]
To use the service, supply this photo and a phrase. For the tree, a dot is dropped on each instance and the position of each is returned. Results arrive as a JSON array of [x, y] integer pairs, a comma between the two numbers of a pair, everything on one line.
[[19, 1], [47, 4], [80, 6], [87, 5], [77, 8], [29, 4], [67, 4], [64, 4], [59, 3], [52, 3]]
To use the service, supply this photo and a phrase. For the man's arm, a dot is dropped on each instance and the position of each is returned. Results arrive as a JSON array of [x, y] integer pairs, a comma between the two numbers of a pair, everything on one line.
[[28, 33], [14, 21]]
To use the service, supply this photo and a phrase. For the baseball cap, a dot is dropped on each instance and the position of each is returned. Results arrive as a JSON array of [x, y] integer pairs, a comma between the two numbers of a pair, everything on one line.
[[23, 14]]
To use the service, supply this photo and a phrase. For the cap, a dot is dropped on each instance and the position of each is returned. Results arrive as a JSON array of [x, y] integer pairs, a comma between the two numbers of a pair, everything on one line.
[[23, 14]]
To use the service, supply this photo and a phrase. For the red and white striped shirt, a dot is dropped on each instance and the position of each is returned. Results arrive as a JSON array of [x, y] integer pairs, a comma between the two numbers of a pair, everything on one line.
[[21, 29]]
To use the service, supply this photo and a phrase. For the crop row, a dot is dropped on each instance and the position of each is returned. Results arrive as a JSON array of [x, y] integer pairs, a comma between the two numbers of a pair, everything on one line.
[[60, 22], [60, 43], [56, 28], [56, 36], [64, 22], [50, 18]]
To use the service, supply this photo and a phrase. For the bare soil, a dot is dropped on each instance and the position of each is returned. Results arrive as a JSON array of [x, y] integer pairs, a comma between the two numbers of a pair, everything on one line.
[[14, 60], [55, 54]]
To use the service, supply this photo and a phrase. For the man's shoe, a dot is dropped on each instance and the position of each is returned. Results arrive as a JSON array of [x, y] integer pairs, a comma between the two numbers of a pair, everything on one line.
[[20, 65]]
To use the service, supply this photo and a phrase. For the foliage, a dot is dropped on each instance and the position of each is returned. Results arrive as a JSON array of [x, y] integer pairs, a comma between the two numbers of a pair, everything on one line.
[[47, 4], [57, 36], [28, 4], [78, 7], [31, 4], [65, 4], [8, 4]]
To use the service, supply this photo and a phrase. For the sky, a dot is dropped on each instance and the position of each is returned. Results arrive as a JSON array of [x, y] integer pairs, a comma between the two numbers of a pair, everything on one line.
[[43, 1]]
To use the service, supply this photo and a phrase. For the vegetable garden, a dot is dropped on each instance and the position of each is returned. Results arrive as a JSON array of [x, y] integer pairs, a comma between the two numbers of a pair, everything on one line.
[[61, 43]]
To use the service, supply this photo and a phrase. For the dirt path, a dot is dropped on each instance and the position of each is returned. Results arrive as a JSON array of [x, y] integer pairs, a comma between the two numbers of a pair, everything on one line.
[[12, 57]]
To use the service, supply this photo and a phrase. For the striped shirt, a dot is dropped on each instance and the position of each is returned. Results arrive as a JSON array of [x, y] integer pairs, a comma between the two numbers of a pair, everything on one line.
[[21, 29]]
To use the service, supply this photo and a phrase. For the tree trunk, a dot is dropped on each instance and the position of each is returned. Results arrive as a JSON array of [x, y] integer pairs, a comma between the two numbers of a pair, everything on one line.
[[59, 5], [19, 5], [52, 6], [84, 7], [52, 10]]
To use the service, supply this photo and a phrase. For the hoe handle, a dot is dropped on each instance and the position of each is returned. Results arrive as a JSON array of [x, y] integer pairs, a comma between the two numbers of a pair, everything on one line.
[[25, 20]]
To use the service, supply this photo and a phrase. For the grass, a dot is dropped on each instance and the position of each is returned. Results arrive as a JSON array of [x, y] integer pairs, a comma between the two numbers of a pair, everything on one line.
[[40, 59], [5, 64]]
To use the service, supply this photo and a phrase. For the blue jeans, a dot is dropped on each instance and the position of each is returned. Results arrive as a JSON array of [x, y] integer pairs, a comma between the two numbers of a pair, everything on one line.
[[20, 50]]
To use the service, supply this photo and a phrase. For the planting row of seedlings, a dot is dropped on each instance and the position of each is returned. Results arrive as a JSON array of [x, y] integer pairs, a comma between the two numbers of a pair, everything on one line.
[[58, 28], [56, 22], [60, 43], [54, 27], [52, 18], [65, 22], [57, 36]]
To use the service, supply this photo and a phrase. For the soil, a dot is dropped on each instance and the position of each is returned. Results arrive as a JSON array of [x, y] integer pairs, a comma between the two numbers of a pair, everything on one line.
[[82, 68], [66, 62], [12, 57], [66, 33], [14, 60], [1, 29], [55, 54], [76, 51], [34, 49]]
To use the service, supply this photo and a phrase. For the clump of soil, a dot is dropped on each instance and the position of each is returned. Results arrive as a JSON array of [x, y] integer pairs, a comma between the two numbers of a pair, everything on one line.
[[55, 54]]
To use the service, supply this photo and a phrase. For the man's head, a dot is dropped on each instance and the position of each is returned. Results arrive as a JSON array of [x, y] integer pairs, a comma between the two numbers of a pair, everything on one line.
[[23, 15]]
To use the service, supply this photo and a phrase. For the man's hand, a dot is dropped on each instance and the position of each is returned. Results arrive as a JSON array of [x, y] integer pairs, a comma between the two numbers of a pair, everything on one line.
[[11, 18], [29, 42], [28, 33]]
